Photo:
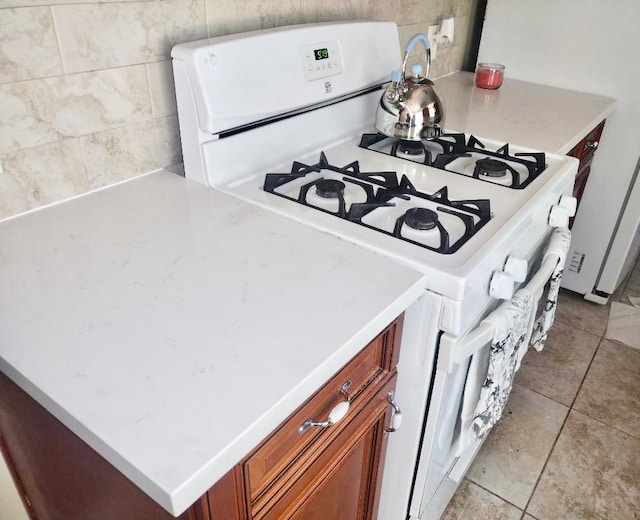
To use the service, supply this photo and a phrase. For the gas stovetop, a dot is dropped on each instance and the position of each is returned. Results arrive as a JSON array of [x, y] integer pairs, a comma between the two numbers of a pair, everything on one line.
[[436, 193], [457, 153], [384, 201], [454, 210]]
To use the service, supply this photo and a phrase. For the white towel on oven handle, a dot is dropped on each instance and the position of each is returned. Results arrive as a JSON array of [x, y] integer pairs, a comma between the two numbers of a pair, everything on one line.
[[491, 371], [558, 245]]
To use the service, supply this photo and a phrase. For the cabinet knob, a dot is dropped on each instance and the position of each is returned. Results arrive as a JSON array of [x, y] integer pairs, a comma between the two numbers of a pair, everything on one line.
[[591, 144]]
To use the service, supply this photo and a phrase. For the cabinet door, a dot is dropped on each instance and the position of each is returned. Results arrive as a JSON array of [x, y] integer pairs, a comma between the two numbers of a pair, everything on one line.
[[585, 150], [344, 481]]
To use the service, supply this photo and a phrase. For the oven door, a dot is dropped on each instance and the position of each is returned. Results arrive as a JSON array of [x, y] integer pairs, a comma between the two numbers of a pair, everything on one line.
[[448, 447]]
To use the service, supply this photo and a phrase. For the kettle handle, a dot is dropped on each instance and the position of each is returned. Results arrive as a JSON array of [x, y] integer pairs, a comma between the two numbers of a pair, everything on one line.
[[415, 39]]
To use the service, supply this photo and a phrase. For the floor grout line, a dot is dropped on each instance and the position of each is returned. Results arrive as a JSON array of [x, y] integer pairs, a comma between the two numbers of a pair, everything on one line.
[[586, 372], [619, 343], [600, 421], [543, 395], [571, 408], [544, 466], [555, 442], [560, 320], [496, 495]]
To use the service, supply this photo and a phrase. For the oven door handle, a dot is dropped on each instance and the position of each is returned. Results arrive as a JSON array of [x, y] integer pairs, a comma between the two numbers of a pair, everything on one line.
[[540, 279], [456, 350]]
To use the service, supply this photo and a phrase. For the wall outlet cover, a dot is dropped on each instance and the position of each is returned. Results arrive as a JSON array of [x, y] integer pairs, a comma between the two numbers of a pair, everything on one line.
[[432, 34]]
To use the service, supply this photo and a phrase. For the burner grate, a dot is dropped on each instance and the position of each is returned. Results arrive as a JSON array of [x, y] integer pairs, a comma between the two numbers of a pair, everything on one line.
[[440, 152], [384, 190]]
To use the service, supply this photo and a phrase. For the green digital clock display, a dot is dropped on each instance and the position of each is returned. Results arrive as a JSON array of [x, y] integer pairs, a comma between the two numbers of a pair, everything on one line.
[[321, 54]]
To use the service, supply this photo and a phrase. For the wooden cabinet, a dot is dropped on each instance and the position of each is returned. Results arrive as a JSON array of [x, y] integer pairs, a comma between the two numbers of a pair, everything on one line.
[[59, 476], [323, 472], [341, 481], [585, 151]]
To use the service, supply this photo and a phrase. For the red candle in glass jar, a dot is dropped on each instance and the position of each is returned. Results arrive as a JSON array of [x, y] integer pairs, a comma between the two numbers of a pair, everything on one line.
[[489, 75]]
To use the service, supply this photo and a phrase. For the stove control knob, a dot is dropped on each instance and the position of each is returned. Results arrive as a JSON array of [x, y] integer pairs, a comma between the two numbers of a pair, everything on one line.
[[516, 267], [571, 203], [501, 285], [558, 216]]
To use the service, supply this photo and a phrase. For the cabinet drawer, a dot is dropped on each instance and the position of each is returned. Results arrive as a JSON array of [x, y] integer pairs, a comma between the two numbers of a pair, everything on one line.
[[367, 371], [342, 480]]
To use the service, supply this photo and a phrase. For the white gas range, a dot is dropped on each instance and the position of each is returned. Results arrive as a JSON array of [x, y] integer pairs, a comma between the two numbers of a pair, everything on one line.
[[283, 118]]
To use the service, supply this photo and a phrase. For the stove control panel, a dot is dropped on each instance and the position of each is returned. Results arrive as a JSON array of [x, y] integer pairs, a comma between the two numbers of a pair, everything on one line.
[[321, 60]]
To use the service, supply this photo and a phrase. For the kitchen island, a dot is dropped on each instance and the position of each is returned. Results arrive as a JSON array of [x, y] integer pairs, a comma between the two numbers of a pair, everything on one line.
[[172, 327]]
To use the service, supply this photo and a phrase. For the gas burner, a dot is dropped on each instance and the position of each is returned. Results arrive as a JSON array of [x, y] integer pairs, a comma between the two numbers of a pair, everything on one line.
[[330, 188], [455, 153], [410, 147], [382, 202], [421, 219], [412, 150], [490, 168]]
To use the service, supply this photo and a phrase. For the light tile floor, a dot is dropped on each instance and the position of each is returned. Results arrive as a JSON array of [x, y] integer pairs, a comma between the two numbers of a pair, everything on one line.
[[568, 446]]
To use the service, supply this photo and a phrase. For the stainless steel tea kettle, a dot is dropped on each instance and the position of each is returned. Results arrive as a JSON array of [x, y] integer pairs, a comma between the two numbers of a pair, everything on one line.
[[411, 108]]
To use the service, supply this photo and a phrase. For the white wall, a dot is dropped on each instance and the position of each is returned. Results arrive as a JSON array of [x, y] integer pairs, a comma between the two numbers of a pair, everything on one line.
[[591, 46]]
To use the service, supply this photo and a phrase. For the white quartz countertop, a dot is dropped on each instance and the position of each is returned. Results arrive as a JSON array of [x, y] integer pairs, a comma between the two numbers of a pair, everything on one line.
[[172, 327], [544, 118]]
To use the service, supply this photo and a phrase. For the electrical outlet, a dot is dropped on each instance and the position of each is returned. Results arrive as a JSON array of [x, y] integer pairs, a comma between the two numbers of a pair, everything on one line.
[[432, 34]]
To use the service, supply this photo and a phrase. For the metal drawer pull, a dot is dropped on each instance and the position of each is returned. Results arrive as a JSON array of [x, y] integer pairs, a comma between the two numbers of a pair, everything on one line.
[[344, 389], [396, 415], [591, 144], [337, 413]]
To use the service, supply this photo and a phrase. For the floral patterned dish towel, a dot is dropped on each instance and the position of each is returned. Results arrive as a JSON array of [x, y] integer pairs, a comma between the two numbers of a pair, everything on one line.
[[512, 322], [558, 245]]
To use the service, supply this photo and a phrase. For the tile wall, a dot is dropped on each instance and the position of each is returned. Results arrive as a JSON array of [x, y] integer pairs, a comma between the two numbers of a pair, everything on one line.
[[86, 91]]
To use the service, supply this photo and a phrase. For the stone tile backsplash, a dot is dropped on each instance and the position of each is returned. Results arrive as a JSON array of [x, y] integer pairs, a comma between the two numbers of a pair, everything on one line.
[[28, 47], [234, 16], [105, 35], [86, 86]]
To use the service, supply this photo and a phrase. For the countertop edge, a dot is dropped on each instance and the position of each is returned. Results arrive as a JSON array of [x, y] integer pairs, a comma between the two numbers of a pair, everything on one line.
[[588, 128]]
